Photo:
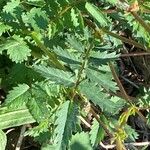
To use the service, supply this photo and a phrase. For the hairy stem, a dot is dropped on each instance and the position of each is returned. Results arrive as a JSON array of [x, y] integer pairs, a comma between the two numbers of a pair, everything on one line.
[[81, 70]]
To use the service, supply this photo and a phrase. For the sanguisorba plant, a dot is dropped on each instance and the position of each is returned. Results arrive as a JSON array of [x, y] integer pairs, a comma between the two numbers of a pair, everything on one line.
[[57, 66]]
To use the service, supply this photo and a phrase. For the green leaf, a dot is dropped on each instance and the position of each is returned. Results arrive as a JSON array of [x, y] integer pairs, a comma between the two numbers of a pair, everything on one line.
[[43, 100], [36, 3], [80, 141], [98, 97], [52, 56], [28, 75], [18, 96], [37, 19], [11, 14], [3, 140], [74, 43], [102, 78], [51, 29], [67, 56], [56, 75], [10, 7], [104, 55], [38, 108], [36, 131], [48, 147], [138, 30], [118, 103], [97, 14], [3, 28], [96, 134], [74, 17], [17, 49], [66, 124], [132, 134], [13, 118]]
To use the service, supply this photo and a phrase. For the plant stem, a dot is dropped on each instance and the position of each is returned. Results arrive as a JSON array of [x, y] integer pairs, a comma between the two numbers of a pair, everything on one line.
[[125, 40], [78, 82], [115, 35], [134, 54], [81, 70], [141, 21], [101, 123], [19, 143], [119, 84], [137, 144], [126, 97]]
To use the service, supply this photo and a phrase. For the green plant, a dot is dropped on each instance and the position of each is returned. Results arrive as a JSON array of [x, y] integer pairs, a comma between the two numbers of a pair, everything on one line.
[[57, 65]]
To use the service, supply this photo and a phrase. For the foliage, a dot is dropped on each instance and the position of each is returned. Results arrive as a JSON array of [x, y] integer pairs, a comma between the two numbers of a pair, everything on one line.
[[3, 140], [66, 124], [56, 61], [97, 133], [11, 118], [78, 142]]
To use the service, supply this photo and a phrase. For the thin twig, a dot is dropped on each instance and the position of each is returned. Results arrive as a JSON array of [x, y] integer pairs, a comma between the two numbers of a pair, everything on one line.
[[125, 40], [84, 121], [138, 144], [119, 84], [93, 110], [97, 118], [101, 123], [19, 143], [8, 131], [126, 97], [132, 64], [134, 54], [130, 82]]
